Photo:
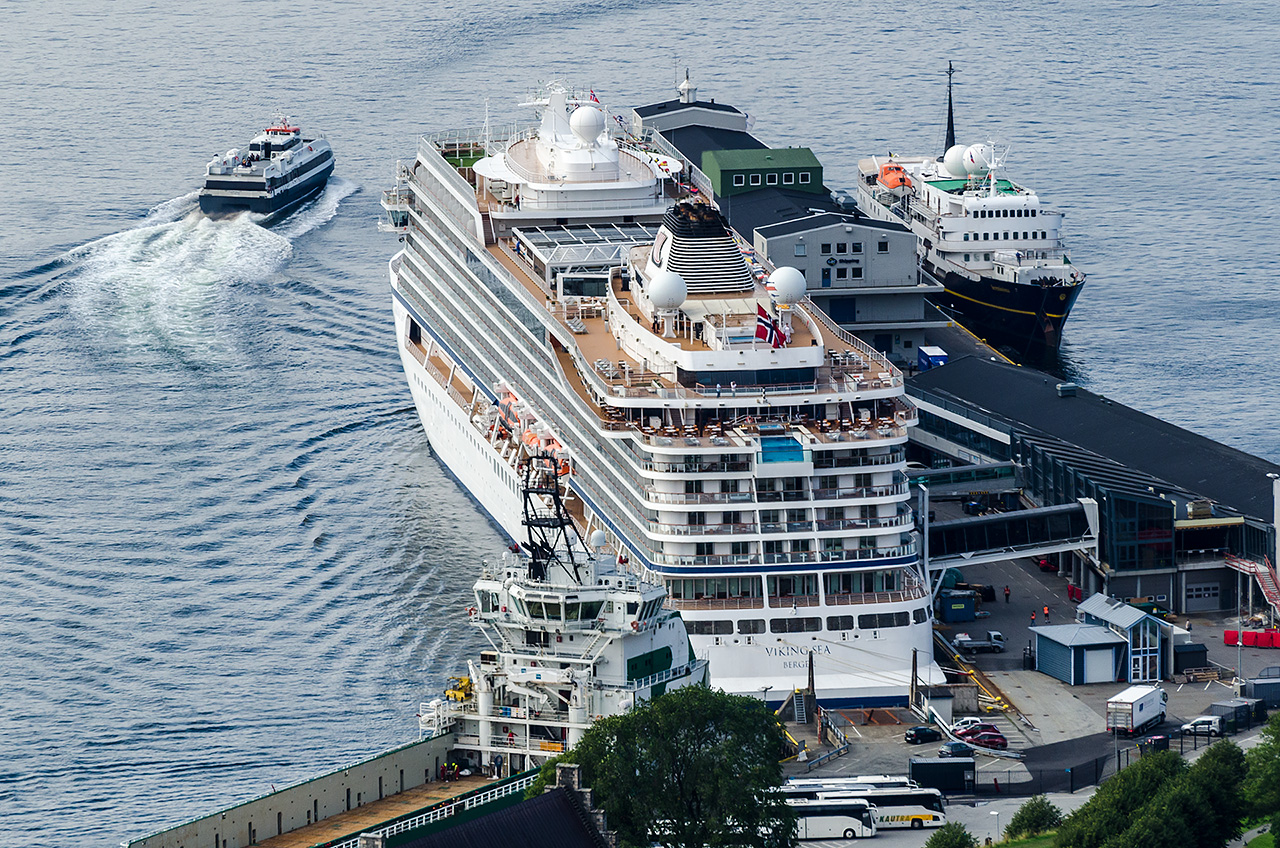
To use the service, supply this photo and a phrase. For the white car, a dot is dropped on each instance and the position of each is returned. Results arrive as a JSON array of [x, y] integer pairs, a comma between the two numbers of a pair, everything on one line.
[[965, 723], [1206, 725]]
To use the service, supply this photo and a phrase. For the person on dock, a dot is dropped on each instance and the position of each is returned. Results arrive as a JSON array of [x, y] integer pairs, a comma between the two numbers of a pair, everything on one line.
[[1033, 618], [1006, 594], [1046, 613]]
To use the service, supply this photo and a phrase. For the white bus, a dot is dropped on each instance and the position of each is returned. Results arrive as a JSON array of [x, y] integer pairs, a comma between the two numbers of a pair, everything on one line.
[[850, 818], [895, 806]]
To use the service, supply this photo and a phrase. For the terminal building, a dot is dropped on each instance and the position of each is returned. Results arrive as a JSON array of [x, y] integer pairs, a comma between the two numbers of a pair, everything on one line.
[[860, 271], [1184, 522]]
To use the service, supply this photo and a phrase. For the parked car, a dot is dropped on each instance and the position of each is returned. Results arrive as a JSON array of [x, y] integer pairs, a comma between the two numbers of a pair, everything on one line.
[[961, 723], [955, 749], [1205, 725], [920, 733], [989, 740], [1045, 565], [974, 729]]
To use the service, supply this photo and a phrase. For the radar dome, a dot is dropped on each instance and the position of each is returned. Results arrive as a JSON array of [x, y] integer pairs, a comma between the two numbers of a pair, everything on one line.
[[978, 158], [597, 539], [953, 160], [587, 122], [787, 285], [666, 289]]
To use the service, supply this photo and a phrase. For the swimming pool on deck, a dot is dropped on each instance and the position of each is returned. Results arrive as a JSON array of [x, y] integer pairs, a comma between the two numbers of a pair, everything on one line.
[[780, 449]]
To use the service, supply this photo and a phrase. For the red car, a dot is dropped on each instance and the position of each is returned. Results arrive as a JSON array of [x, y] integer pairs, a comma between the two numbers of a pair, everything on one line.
[[974, 729], [989, 740]]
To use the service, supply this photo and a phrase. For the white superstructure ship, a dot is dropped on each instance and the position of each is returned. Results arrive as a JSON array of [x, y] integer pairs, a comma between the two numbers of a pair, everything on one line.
[[731, 442], [574, 638]]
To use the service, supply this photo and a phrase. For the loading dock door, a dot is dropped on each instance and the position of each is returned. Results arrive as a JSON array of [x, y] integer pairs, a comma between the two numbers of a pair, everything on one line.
[[1203, 597], [1098, 666]]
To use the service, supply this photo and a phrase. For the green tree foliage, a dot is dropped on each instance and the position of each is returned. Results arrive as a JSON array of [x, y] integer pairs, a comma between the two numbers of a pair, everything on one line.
[[951, 835], [1034, 817], [693, 767], [1117, 801], [1262, 787], [1199, 808]]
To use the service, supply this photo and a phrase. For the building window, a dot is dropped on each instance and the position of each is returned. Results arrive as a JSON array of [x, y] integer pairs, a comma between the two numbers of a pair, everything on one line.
[[771, 179], [857, 273], [804, 177], [883, 247], [825, 250], [842, 273], [826, 278], [856, 247], [800, 248], [788, 178], [841, 247], [739, 179], [755, 179]]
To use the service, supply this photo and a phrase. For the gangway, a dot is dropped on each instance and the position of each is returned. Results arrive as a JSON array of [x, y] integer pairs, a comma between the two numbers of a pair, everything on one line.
[[1263, 573], [1010, 535]]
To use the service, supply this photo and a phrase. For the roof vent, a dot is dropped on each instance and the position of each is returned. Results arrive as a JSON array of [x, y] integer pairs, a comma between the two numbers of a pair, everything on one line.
[[1066, 390]]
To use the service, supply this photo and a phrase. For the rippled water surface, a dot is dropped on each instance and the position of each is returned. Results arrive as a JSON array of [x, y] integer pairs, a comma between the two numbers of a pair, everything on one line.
[[230, 558]]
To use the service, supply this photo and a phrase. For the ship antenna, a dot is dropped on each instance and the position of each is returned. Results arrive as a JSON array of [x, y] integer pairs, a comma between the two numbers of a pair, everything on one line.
[[951, 116]]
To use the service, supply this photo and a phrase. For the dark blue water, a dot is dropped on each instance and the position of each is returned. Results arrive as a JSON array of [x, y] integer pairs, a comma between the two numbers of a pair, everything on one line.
[[229, 558]]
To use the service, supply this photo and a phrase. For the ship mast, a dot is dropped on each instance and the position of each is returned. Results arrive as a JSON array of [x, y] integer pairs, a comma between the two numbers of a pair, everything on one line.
[[951, 117]]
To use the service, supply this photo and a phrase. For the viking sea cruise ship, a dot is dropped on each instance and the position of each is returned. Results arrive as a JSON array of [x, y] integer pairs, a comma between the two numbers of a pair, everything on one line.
[[557, 291]]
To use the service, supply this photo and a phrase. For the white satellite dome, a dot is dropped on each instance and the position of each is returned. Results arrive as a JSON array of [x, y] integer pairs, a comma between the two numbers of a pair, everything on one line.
[[598, 538], [978, 158], [666, 289], [587, 122], [953, 160], [787, 285]]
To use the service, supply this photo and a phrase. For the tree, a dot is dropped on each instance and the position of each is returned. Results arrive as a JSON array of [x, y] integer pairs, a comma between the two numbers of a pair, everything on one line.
[[1217, 776], [1034, 817], [1262, 786], [692, 767], [951, 835], [1110, 810]]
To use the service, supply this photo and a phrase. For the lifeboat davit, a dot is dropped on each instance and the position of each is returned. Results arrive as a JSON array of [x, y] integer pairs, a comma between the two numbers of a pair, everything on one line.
[[894, 179], [508, 417]]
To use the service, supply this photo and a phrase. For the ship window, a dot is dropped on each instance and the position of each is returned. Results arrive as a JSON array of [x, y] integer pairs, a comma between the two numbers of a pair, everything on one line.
[[986, 236], [795, 625], [535, 610], [740, 548], [800, 249], [788, 178], [856, 247], [986, 256], [874, 621], [966, 257], [920, 616], [755, 179], [591, 609], [1026, 235], [801, 546], [486, 604], [1033, 213], [771, 179], [704, 549], [804, 177], [842, 247], [839, 622], [1006, 235], [825, 250], [751, 625], [632, 606], [789, 585], [966, 236], [739, 179], [572, 612], [709, 628]]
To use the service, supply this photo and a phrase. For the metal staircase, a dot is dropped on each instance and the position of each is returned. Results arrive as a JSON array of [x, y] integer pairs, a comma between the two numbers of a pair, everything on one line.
[[1263, 573]]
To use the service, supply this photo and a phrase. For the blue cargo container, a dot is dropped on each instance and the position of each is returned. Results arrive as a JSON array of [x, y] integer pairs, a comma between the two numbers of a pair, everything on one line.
[[928, 357]]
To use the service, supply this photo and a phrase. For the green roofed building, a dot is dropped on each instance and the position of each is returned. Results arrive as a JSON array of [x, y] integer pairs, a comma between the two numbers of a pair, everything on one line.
[[733, 172]]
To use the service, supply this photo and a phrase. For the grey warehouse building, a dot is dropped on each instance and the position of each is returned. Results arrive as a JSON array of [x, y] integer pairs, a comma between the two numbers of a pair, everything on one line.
[[1178, 511]]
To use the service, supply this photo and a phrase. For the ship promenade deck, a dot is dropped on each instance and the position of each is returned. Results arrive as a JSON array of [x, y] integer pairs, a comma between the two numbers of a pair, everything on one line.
[[374, 814]]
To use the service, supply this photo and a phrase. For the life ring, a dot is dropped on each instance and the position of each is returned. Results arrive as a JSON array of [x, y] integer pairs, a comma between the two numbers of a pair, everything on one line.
[[635, 625]]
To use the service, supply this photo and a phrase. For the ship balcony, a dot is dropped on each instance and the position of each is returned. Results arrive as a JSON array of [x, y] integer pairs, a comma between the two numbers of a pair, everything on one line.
[[656, 497], [714, 603], [686, 468], [859, 555], [661, 529], [827, 459]]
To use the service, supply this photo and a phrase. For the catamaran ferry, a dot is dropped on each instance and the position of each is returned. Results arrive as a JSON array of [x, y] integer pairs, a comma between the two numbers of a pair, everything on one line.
[[996, 250], [558, 291]]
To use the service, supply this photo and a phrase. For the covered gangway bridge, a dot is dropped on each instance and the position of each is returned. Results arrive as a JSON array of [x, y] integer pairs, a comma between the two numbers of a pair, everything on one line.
[[1011, 535]]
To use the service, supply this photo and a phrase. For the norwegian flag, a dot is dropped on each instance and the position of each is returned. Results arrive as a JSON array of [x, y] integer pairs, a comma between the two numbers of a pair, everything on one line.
[[594, 99], [766, 329]]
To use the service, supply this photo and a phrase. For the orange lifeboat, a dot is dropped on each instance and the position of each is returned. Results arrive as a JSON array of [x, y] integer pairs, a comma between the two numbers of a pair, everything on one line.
[[508, 418], [894, 178]]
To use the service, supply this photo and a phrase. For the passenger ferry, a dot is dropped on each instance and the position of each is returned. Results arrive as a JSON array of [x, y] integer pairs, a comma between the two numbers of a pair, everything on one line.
[[558, 291], [995, 249], [276, 173]]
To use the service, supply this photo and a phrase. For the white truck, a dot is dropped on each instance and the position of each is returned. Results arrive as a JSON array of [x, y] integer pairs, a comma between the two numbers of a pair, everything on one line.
[[994, 643], [1136, 710]]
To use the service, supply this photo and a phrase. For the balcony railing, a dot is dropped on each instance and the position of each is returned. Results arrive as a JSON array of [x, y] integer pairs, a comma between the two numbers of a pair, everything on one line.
[[696, 497], [795, 601], [714, 603], [700, 529], [788, 558]]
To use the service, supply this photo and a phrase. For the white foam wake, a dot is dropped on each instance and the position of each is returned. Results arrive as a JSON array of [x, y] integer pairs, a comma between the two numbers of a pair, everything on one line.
[[319, 211]]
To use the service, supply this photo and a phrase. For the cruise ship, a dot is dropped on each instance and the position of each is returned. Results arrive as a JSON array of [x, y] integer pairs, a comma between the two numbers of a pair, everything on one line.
[[559, 291], [995, 249]]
